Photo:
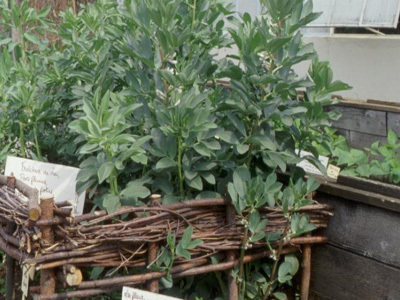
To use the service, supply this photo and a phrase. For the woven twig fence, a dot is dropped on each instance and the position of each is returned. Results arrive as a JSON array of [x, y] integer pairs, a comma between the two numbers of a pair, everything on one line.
[[60, 245]]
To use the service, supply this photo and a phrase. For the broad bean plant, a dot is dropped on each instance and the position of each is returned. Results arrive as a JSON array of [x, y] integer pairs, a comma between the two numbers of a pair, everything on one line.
[[141, 97]]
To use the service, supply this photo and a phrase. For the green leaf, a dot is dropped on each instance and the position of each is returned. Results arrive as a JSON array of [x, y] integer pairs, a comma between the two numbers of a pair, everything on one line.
[[195, 183], [312, 185], [284, 278], [168, 76], [187, 235], [210, 178], [240, 177], [254, 220], [171, 240], [292, 259], [257, 237], [165, 163], [32, 38], [234, 197], [105, 171], [202, 149], [135, 189], [228, 136], [95, 272], [242, 148], [167, 281], [232, 72], [262, 225], [280, 296], [262, 140], [193, 244], [392, 137], [285, 268], [5, 41], [111, 203], [363, 170], [182, 252]]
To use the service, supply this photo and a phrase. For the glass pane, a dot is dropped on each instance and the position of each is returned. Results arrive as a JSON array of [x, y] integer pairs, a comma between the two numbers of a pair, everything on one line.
[[357, 13]]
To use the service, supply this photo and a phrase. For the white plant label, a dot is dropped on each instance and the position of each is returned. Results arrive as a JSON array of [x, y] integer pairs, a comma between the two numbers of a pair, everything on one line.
[[309, 167], [57, 180], [135, 294], [333, 172]]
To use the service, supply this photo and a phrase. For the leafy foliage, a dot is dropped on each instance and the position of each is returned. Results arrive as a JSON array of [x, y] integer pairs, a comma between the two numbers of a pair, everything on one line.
[[381, 161], [132, 94]]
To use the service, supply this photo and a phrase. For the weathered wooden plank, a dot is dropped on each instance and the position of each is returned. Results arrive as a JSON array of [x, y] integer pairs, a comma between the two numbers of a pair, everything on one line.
[[361, 196], [340, 275], [393, 120], [363, 140], [382, 188], [367, 230], [361, 120], [371, 104]]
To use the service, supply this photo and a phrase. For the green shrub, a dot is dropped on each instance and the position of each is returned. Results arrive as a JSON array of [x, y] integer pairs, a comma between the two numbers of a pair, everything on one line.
[[381, 161], [133, 96]]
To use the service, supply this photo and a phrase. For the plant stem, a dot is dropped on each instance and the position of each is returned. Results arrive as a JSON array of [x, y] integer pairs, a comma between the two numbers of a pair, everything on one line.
[[166, 87], [251, 148], [38, 152], [22, 41], [74, 7], [194, 14], [241, 287], [277, 258], [113, 176], [179, 163], [22, 139]]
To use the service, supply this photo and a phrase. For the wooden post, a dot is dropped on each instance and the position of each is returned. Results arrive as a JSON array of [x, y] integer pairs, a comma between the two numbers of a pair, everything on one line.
[[152, 285], [10, 262], [47, 276], [306, 274], [33, 206], [306, 265], [70, 276], [231, 255]]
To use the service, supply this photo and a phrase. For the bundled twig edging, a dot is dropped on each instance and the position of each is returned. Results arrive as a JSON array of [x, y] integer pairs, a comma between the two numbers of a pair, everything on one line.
[[107, 240]]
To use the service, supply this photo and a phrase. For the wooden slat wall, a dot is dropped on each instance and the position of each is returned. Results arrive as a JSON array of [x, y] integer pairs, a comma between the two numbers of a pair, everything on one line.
[[362, 257], [362, 124], [58, 6], [341, 275]]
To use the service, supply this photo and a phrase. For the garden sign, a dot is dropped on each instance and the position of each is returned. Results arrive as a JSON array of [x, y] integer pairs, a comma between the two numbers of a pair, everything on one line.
[[57, 180], [135, 294]]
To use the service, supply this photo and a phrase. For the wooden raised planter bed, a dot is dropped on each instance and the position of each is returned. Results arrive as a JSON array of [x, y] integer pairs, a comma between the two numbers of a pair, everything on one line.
[[362, 257], [60, 244]]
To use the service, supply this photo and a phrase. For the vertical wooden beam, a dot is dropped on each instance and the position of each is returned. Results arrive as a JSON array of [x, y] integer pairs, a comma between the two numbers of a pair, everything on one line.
[[231, 255], [152, 285], [306, 274], [10, 262], [47, 276]]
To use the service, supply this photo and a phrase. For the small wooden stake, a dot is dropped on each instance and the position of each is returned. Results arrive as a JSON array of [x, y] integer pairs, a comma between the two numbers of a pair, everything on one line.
[[10, 268], [70, 279], [152, 285], [47, 276], [10, 262], [306, 275], [231, 256], [34, 208]]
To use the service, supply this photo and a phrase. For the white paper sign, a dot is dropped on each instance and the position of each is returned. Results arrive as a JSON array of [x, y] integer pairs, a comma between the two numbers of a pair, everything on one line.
[[135, 294], [28, 273], [309, 167], [48, 178]]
